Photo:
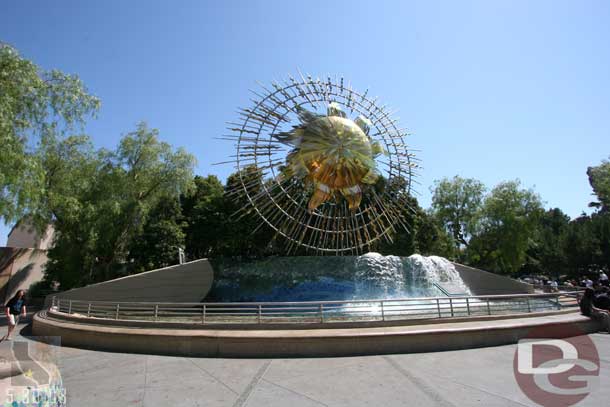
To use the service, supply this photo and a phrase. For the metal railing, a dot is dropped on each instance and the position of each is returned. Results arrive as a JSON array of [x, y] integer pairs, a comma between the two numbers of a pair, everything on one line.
[[318, 311]]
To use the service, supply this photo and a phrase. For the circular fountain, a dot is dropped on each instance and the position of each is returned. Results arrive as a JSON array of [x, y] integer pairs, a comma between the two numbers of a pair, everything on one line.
[[329, 170]]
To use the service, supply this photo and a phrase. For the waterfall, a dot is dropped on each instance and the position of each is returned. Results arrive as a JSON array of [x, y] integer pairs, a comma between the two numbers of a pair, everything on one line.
[[313, 278], [420, 270], [379, 276]]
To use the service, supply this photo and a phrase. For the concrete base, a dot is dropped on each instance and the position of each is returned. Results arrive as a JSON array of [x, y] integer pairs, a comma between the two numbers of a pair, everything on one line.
[[307, 342]]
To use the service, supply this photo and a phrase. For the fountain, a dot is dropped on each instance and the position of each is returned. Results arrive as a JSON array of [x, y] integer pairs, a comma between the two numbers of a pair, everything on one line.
[[326, 168], [313, 278]]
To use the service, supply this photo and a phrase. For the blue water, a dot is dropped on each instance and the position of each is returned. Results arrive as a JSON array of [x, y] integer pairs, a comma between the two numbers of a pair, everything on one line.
[[370, 276]]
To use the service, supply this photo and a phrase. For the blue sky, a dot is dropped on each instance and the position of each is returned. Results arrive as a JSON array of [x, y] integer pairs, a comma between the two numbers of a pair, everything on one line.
[[494, 90]]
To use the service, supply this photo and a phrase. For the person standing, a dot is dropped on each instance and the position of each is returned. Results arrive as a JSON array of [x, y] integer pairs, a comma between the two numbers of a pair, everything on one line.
[[13, 310], [589, 310], [603, 278]]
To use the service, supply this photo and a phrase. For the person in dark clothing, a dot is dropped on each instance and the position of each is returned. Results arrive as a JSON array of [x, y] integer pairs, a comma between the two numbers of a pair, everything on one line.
[[589, 310], [602, 300], [13, 309]]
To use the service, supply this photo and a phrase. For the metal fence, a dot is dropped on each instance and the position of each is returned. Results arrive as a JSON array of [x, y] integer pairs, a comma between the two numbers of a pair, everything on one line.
[[318, 311]]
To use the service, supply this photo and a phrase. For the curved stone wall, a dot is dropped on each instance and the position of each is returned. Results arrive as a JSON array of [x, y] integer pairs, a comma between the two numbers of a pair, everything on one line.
[[306, 342]]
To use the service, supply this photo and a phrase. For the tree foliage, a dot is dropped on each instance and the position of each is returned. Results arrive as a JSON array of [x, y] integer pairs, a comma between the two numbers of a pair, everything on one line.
[[599, 178], [205, 214], [99, 221], [34, 103], [424, 236], [157, 244], [509, 218], [456, 204]]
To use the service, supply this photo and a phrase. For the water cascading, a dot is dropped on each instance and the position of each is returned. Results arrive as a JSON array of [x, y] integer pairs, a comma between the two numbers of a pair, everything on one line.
[[370, 276], [378, 276]]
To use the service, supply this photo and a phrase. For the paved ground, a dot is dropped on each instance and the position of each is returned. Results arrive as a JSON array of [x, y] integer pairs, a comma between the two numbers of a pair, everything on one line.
[[457, 378]]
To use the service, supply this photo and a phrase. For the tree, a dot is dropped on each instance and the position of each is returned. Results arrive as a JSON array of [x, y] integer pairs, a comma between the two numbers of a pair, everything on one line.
[[432, 238], [161, 237], [599, 178], [456, 204], [140, 172], [246, 234], [547, 254], [98, 221], [508, 220], [33, 102], [424, 235], [206, 217]]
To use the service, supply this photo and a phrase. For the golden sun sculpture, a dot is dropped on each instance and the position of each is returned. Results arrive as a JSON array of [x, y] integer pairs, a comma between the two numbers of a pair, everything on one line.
[[325, 166], [332, 153]]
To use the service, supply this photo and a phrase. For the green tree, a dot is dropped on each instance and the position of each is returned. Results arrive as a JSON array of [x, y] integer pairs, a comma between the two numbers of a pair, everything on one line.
[[424, 235], [583, 246], [509, 218], [599, 178], [98, 220], [206, 217], [246, 234], [432, 239], [161, 237], [456, 204], [140, 172], [33, 102], [547, 254]]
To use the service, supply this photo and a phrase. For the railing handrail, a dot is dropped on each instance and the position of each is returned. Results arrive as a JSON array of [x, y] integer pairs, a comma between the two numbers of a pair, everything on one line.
[[338, 302]]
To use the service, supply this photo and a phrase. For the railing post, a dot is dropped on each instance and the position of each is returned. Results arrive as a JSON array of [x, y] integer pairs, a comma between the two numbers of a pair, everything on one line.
[[321, 309], [451, 305], [438, 307], [468, 306], [88, 310], [70, 307], [529, 306], [558, 303], [53, 300], [156, 311], [382, 312], [59, 304], [488, 307], [260, 311], [116, 315], [203, 314]]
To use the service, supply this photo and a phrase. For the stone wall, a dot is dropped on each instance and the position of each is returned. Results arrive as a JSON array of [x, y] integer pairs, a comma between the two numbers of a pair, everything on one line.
[[19, 269]]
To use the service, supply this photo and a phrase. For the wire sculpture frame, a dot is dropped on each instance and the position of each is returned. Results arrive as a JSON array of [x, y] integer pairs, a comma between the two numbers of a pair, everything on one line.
[[282, 203]]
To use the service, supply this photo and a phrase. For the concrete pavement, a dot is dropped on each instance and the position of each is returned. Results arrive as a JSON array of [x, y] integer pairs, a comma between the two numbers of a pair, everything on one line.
[[455, 378]]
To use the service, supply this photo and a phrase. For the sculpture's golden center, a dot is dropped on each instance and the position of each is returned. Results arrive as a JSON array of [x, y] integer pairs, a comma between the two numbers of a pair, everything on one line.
[[337, 156]]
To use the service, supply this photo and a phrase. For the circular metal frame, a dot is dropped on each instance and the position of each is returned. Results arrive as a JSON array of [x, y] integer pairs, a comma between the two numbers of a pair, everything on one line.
[[282, 203]]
